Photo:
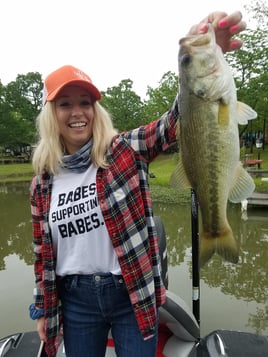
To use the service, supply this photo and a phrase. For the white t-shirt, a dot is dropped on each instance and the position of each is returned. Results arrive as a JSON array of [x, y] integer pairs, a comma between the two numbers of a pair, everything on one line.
[[81, 241]]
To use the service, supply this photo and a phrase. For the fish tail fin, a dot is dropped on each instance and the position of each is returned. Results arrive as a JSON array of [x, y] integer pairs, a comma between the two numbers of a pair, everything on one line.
[[224, 245]]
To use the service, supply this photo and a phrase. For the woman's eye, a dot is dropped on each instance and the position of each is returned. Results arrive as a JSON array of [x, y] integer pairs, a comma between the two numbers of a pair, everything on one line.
[[86, 103], [64, 104], [67, 104]]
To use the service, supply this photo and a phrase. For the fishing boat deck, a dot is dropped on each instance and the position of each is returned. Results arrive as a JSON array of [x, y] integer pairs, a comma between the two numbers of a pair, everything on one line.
[[258, 199], [257, 172], [252, 162]]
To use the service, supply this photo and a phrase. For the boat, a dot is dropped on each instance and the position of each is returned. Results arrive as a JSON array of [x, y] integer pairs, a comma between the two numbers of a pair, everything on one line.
[[178, 333]]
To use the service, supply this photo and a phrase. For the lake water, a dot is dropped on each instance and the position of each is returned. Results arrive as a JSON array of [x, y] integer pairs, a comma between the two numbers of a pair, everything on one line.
[[232, 296]]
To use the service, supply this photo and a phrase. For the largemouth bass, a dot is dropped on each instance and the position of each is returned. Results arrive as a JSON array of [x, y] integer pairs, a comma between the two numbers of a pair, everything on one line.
[[209, 141]]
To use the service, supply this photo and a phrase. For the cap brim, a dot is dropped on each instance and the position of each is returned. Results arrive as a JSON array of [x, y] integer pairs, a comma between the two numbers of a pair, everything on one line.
[[93, 91]]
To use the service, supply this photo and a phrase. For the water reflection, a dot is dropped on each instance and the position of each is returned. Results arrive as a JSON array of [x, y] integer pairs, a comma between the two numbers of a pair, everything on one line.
[[248, 280], [245, 283], [15, 228]]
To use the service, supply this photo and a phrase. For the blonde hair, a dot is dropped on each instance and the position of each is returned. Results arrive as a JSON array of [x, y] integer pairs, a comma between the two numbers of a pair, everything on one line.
[[50, 150]]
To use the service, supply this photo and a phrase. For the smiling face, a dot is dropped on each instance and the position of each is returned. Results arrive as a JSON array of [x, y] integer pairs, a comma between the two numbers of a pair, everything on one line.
[[75, 115]]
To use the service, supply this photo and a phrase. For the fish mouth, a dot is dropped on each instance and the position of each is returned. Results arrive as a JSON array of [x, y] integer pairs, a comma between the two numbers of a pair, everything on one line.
[[211, 73], [199, 40], [195, 41]]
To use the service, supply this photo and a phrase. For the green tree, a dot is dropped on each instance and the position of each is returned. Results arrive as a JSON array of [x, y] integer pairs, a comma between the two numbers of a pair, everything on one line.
[[24, 95], [125, 106], [250, 67], [259, 11], [14, 131], [19, 106], [161, 98]]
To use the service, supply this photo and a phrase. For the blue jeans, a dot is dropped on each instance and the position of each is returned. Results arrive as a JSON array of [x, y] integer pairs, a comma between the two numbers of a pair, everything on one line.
[[91, 306]]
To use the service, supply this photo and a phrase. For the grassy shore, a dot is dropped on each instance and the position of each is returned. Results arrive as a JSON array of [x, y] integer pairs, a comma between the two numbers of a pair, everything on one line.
[[16, 172], [162, 168]]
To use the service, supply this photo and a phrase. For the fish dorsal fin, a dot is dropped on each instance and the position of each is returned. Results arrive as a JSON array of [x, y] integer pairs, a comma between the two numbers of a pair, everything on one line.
[[178, 179], [245, 113], [243, 186]]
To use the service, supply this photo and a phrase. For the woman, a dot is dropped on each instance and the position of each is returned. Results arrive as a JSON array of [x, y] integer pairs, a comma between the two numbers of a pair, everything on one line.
[[94, 235]]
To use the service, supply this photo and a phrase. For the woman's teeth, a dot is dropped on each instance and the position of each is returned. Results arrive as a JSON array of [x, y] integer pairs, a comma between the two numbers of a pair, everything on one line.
[[77, 125]]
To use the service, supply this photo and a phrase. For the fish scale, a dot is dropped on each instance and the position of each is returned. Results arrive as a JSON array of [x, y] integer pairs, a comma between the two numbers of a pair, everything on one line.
[[209, 141]]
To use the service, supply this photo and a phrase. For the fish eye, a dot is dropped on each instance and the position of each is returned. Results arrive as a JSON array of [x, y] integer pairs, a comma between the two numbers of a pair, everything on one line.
[[185, 60]]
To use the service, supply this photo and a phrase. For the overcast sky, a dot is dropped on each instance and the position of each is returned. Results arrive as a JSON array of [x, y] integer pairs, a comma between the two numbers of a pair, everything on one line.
[[110, 40]]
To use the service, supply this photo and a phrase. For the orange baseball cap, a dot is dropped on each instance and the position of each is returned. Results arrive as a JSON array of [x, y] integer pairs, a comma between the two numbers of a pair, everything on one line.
[[65, 75]]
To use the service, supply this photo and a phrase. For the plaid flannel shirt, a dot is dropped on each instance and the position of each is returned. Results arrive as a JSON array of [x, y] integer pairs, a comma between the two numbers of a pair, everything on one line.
[[124, 198]]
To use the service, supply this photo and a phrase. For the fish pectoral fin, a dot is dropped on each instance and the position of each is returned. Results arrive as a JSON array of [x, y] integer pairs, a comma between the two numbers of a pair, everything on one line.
[[178, 178], [224, 245], [243, 185], [245, 113]]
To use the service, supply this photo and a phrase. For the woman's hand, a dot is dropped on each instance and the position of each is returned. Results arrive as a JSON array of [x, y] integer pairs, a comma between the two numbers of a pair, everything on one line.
[[225, 26]]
